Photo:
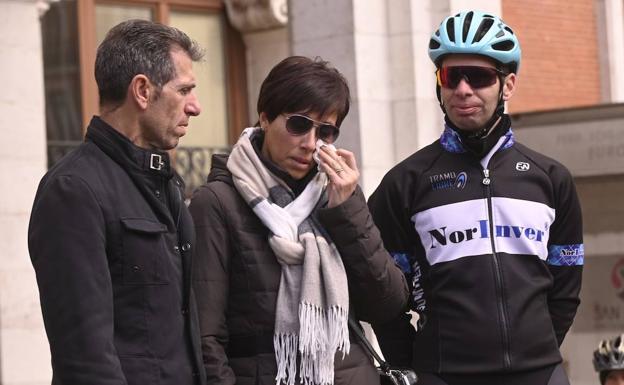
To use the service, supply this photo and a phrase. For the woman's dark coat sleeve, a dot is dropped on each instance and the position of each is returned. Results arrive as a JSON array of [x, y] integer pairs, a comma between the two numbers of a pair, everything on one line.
[[211, 282], [377, 286]]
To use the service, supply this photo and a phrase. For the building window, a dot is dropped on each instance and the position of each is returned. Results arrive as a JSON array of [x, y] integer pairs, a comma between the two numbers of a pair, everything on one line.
[[77, 27], [61, 58]]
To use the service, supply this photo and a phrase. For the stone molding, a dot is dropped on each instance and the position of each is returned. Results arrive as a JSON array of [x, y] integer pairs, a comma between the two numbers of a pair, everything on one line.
[[43, 6], [257, 15]]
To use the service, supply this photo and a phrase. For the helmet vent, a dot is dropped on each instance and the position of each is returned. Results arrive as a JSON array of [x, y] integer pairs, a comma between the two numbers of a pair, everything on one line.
[[467, 22], [609, 355], [506, 45], [472, 32], [433, 44], [484, 27], [450, 29]]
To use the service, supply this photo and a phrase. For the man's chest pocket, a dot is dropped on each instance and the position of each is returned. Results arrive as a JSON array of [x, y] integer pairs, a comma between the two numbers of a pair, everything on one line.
[[144, 252]]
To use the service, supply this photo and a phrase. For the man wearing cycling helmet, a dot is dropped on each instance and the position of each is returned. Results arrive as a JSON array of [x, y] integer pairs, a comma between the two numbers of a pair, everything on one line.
[[488, 231], [609, 361]]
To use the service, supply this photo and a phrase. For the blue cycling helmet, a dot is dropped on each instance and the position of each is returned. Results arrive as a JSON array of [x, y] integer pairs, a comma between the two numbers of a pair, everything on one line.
[[477, 33]]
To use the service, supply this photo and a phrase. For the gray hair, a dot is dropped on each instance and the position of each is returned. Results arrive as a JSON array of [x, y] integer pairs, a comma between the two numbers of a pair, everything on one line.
[[138, 47]]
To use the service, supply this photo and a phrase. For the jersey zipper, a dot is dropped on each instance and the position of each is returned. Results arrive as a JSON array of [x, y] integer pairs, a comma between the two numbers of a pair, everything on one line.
[[497, 271]]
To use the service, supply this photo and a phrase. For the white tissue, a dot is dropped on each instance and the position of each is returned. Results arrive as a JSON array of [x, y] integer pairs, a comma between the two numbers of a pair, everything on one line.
[[317, 158]]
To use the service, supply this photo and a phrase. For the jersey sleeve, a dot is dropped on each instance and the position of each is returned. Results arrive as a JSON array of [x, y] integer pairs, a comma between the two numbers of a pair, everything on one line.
[[390, 212], [565, 255]]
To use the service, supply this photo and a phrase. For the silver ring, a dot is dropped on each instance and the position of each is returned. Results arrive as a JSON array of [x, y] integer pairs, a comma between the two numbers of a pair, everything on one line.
[[338, 170]]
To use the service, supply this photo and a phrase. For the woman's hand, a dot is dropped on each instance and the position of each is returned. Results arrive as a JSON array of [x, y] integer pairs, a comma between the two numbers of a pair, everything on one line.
[[342, 172]]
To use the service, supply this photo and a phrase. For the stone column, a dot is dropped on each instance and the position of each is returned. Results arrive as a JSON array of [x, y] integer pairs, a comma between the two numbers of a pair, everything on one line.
[[263, 26], [381, 48], [352, 35], [24, 351], [614, 14]]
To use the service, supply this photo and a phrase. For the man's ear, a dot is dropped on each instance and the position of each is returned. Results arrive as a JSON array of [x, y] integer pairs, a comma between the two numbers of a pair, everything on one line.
[[509, 86], [140, 90]]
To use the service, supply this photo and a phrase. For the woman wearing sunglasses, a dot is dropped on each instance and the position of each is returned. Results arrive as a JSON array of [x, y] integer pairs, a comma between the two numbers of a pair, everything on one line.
[[490, 230], [286, 248]]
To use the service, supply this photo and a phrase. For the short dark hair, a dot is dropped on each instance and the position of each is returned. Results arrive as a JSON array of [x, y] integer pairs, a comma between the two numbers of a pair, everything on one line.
[[138, 47], [301, 84], [603, 376]]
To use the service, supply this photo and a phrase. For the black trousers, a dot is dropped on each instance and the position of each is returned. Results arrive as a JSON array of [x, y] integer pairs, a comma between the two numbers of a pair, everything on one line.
[[552, 375]]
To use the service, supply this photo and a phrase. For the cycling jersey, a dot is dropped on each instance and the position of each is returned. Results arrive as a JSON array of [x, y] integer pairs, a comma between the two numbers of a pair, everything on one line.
[[493, 251]]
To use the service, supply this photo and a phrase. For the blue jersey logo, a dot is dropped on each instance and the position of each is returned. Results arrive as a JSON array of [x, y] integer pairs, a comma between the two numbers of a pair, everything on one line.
[[442, 236], [447, 180]]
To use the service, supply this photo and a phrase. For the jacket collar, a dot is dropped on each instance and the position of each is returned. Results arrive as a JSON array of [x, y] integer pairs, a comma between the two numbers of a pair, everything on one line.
[[451, 140], [126, 153], [150, 170]]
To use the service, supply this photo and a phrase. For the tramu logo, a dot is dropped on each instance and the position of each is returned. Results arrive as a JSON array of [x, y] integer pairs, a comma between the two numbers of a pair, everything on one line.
[[441, 237], [447, 180]]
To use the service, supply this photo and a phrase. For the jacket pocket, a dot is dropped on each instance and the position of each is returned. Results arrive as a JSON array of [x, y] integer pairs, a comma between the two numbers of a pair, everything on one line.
[[143, 252], [140, 370]]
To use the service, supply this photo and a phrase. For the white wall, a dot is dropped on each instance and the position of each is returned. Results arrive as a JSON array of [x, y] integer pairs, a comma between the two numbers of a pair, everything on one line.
[[614, 23], [24, 352], [326, 29], [264, 49], [380, 47]]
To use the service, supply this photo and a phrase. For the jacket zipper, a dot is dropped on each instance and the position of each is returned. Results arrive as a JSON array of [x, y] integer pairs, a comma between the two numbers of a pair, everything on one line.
[[497, 270]]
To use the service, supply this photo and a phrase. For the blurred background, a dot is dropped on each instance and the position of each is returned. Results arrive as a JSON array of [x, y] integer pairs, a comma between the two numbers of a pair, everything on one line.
[[568, 105]]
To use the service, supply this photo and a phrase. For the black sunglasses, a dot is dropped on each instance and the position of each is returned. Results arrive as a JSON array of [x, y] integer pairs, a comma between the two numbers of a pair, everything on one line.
[[475, 76], [300, 125]]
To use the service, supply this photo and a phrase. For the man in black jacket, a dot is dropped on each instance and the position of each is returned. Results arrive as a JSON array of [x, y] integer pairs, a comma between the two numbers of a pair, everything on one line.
[[487, 231], [110, 237]]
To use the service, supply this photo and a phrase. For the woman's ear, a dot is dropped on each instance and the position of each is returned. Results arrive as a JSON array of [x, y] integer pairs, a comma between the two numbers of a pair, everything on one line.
[[264, 121], [509, 86]]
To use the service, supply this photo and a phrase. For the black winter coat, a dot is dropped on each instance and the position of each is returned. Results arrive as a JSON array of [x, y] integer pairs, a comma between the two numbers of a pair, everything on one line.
[[111, 240], [236, 279]]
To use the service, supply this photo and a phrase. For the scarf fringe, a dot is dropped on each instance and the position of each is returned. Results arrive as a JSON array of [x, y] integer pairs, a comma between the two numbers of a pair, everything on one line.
[[321, 335], [339, 330], [286, 356]]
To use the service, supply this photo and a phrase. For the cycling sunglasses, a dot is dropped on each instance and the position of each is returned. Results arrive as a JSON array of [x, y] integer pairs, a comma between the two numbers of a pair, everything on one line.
[[300, 125], [475, 76]]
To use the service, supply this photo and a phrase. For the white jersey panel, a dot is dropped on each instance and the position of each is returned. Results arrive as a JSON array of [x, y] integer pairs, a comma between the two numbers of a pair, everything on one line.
[[463, 229], [522, 227]]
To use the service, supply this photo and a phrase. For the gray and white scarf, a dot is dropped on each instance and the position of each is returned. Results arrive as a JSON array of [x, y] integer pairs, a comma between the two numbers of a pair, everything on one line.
[[313, 299]]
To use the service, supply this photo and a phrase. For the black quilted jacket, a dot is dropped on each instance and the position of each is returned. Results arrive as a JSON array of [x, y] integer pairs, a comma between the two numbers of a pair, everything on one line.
[[237, 277]]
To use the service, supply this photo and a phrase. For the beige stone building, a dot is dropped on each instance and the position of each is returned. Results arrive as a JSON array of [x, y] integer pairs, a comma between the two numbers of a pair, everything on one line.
[[573, 61]]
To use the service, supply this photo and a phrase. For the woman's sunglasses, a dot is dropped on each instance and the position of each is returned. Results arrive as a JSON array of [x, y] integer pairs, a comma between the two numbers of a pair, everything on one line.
[[475, 76], [300, 125]]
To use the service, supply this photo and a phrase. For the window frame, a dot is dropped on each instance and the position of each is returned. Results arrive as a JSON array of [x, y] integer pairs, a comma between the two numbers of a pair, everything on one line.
[[234, 52]]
